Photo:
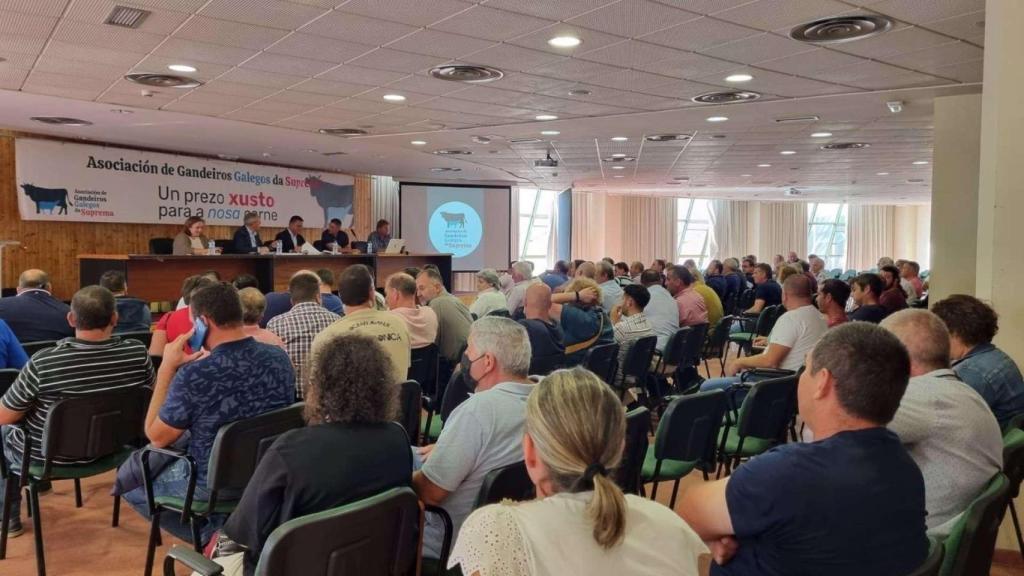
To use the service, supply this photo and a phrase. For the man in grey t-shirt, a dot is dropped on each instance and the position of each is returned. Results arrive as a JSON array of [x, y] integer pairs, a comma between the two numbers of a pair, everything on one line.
[[946, 426], [482, 434]]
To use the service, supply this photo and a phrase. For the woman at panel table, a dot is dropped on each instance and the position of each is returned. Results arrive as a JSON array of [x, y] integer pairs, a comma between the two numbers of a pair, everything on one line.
[[191, 240]]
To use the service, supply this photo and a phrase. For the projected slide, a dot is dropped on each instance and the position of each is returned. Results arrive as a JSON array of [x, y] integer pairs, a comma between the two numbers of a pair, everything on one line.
[[469, 222]]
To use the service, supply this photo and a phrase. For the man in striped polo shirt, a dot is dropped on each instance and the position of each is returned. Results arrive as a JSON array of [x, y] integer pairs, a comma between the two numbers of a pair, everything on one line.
[[92, 362]]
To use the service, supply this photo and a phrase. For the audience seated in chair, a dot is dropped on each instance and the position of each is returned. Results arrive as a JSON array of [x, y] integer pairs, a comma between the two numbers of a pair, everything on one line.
[[909, 277], [234, 377], [662, 311], [133, 314], [714, 277], [972, 326], [453, 318], [522, 278], [865, 290], [611, 292], [12, 355], [767, 292], [892, 298], [832, 297], [794, 335], [713, 303], [680, 284], [243, 281], [300, 325], [253, 305], [945, 425], [850, 503], [350, 417], [209, 274], [327, 297], [545, 334], [93, 362], [489, 296], [362, 316], [485, 432], [581, 522], [421, 321], [174, 324], [629, 323], [584, 322], [34, 315]]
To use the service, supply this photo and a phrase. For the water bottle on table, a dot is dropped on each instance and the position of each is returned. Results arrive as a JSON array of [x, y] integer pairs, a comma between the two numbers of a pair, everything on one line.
[[212, 249], [278, 247]]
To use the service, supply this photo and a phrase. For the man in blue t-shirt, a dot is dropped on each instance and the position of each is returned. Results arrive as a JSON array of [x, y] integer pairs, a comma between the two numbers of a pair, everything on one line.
[[233, 378], [849, 503]]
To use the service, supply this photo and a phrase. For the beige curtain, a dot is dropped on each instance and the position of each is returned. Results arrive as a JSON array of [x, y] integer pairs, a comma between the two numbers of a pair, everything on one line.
[[648, 228], [870, 234], [783, 227], [588, 219], [729, 236], [384, 195]]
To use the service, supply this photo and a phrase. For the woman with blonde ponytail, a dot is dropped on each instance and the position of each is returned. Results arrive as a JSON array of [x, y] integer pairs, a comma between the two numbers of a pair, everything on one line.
[[581, 522]]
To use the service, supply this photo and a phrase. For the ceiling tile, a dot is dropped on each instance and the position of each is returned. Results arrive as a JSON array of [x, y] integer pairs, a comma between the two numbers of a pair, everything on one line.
[[633, 18], [757, 49], [258, 116], [135, 99], [75, 93], [26, 24], [11, 78], [952, 53], [19, 44], [707, 7], [629, 54], [287, 64], [77, 68], [491, 24], [60, 80], [357, 75], [229, 33], [534, 83], [24, 61], [394, 60], [811, 61], [367, 106], [204, 96], [682, 89], [359, 29], [903, 40], [700, 34], [591, 39], [964, 27], [572, 69], [774, 14], [560, 10], [95, 11], [411, 98], [411, 12], [38, 7], [188, 6], [963, 72], [307, 98], [630, 80], [920, 11], [442, 44], [323, 48], [104, 36], [330, 88], [426, 85], [206, 109], [512, 58], [269, 13], [261, 78], [238, 89], [192, 51], [687, 65], [119, 59]]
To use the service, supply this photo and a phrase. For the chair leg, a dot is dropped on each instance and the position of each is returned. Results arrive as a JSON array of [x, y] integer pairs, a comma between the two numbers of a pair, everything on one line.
[[675, 490], [28, 503], [78, 493], [115, 518], [154, 536], [37, 526], [1016, 528], [5, 517], [654, 491], [197, 543]]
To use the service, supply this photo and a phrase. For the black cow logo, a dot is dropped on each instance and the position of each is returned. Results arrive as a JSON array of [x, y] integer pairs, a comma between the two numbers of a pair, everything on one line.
[[454, 219], [328, 196], [48, 198]]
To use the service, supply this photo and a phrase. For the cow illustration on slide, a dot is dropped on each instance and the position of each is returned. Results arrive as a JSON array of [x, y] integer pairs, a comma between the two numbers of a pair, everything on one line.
[[454, 219], [48, 198], [335, 199]]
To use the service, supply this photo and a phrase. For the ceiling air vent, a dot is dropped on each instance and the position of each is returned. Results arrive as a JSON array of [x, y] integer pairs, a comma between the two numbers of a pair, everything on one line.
[[61, 121], [127, 17], [666, 137], [846, 146], [345, 132], [163, 80], [452, 152], [467, 73], [841, 29], [619, 159], [727, 97], [797, 119], [333, 154], [524, 140], [445, 169]]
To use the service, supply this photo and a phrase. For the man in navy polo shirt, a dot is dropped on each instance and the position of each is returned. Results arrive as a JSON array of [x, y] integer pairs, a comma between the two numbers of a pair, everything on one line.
[[34, 314]]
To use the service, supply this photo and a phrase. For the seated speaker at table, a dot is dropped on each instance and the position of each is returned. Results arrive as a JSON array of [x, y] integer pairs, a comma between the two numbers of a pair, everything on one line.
[[290, 238], [334, 235], [247, 238], [191, 240]]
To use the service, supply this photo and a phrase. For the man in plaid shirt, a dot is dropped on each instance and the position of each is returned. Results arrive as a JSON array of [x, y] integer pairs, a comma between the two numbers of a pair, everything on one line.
[[303, 322]]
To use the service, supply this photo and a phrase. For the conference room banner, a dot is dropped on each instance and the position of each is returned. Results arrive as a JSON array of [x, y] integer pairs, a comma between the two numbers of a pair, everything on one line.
[[87, 183]]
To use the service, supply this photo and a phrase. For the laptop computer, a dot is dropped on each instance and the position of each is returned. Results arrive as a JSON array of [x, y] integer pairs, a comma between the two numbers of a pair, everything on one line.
[[395, 246]]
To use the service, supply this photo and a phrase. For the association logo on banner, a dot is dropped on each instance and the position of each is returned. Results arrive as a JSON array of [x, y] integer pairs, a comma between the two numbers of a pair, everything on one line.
[[455, 227]]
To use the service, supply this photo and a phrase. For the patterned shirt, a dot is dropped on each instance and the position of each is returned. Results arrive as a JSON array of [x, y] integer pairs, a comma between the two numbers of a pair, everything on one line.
[[73, 368], [298, 327], [628, 330]]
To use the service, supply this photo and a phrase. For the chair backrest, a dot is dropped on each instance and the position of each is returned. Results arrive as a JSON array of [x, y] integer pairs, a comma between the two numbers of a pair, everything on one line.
[[694, 345], [719, 336], [1013, 459], [161, 245], [423, 368], [627, 475], [676, 346], [688, 430], [409, 408], [227, 246], [972, 540], [238, 447], [360, 246], [142, 336], [747, 299], [766, 320], [32, 347], [377, 535], [7, 377], [638, 359], [601, 359], [511, 482], [933, 562], [500, 312], [92, 426], [544, 365], [768, 408]]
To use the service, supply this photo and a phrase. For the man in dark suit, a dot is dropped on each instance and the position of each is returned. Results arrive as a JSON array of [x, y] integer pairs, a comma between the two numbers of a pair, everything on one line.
[[34, 314], [247, 238], [290, 238]]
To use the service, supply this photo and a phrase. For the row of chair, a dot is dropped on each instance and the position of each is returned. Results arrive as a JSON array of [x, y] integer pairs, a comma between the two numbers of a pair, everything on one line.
[[31, 348]]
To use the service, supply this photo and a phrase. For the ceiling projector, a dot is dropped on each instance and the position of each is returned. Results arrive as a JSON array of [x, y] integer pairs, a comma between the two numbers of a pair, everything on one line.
[[547, 162]]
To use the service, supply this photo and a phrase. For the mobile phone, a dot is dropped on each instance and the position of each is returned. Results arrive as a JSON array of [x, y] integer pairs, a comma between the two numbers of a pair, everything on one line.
[[199, 336]]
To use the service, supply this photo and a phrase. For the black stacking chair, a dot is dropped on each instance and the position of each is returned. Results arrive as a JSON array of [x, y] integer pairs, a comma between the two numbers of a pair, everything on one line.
[[1013, 467], [360, 246], [143, 336], [423, 370], [544, 365], [933, 563], [236, 451], [32, 347], [972, 540], [99, 428], [227, 246], [508, 482], [409, 399], [602, 360], [687, 375], [637, 364], [7, 378], [717, 344], [627, 475], [762, 420], [161, 245], [377, 535]]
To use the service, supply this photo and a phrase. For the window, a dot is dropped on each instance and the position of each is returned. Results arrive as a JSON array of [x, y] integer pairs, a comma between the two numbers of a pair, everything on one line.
[[826, 233], [693, 231], [536, 214]]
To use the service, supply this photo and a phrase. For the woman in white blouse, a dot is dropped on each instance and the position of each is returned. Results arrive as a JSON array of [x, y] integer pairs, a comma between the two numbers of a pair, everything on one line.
[[489, 298], [581, 522]]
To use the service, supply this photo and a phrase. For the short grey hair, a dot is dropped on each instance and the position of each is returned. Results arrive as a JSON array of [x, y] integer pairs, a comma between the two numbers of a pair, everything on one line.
[[251, 217], [524, 268], [605, 269], [732, 263], [506, 340], [924, 335]]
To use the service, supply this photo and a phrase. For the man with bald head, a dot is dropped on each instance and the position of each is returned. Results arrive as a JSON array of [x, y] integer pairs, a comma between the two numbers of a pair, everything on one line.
[[34, 314], [546, 338], [945, 425], [794, 335]]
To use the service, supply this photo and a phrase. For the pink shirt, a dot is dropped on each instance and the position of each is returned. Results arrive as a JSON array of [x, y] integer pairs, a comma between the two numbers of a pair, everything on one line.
[[918, 285], [692, 308]]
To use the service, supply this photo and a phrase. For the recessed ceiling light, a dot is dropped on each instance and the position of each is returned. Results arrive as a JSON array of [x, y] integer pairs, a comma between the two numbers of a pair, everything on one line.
[[418, 142], [394, 97], [546, 117], [764, 165], [618, 155], [617, 176], [266, 154], [344, 132], [618, 167], [310, 150], [619, 138], [788, 152], [550, 132], [182, 68], [821, 135], [882, 174], [920, 162], [746, 175], [579, 92], [739, 78], [565, 41], [717, 118]]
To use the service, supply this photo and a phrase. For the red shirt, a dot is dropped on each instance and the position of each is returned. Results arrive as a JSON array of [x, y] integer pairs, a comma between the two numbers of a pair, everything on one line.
[[175, 324]]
